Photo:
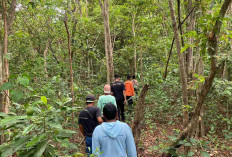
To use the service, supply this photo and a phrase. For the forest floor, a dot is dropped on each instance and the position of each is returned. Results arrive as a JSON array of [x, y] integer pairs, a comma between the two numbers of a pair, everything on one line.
[[157, 133], [150, 140]]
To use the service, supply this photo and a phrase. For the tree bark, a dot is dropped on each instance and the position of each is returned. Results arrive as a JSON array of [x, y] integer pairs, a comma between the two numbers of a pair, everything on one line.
[[108, 42], [181, 61], [86, 7], [70, 64], [170, 51], [11, 16], [6, 63], [139, 115], [141, 67], [212, 50], [135, 54], [45, 60]]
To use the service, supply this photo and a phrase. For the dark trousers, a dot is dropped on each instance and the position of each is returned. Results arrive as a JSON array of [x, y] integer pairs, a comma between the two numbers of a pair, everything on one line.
[[88, 142], [120, 106], [129, 100]]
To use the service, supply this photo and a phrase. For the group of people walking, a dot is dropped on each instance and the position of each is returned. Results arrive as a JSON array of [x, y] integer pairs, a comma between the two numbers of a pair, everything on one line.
[[105, 133]]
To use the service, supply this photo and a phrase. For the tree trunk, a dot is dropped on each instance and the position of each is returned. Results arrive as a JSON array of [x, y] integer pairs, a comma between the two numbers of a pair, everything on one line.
[[86, 7], [201, 127], [135, 55], [141, 67], [108, 42], [181, 61], [212, 50], [139, 115], [11, 16], [45, 60], [6, 63], [70, 64]]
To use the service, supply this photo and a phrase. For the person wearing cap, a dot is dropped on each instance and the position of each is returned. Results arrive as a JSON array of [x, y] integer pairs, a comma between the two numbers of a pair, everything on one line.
[[89, 118], [106, 98], [113, 138], [118, 90]]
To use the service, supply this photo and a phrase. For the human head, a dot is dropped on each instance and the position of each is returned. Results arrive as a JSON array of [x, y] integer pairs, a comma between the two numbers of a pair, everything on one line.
[[107, 89], [116, 77], [128, 77], [90, 99], [133, 76], [110, 111]]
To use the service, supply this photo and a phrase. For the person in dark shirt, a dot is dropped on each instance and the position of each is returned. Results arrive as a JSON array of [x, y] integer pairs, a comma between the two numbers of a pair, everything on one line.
[[118, 91], [89, 118]]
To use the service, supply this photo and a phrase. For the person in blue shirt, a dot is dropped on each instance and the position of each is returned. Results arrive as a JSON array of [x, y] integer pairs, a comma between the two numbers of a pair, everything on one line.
[[113, 138]]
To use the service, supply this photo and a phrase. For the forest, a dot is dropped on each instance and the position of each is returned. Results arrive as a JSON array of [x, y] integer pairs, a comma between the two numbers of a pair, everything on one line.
[[53, 53]]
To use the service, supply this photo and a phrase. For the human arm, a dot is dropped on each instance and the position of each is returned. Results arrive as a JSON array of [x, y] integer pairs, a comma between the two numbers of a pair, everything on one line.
[[81, 129], [124, 93], [98, 116], [99, 119], [130, 143], [99, 103]]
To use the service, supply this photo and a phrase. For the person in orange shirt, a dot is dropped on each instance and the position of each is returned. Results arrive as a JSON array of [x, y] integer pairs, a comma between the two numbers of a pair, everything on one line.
[[129, 90]]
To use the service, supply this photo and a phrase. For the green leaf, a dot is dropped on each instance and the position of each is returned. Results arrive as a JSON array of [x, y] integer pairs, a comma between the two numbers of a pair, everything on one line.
[[205, 154], [17, 145], [2, 114], [36, 140], [41, 148], [11, 120], [51, 151], [190, 154], [6, 86], [55, 125], [23, 81], [44, 100], [69, 131], [16, 95], [185, 48], [7, 56], [28, 129], [7, 152]]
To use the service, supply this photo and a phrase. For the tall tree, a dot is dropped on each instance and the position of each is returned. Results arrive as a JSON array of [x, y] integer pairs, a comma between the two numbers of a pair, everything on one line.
[[181, 61], [108, 43]]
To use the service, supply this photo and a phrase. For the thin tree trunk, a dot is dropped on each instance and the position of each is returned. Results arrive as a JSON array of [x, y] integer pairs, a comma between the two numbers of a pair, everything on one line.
[[141, 67], [79, 6], [201, 127], [11, 15], [135, 55], [70, 64], [108, 42], [182, 68], [6, 63], [170, 52], [86, 7], [1, 81], [190, 25], [45, 60]]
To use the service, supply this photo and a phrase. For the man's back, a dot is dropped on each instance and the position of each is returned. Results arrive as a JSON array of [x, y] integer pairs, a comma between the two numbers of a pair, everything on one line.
[[114, 139], [104, 99], [88, 119], [129, 88], [117, 88]]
